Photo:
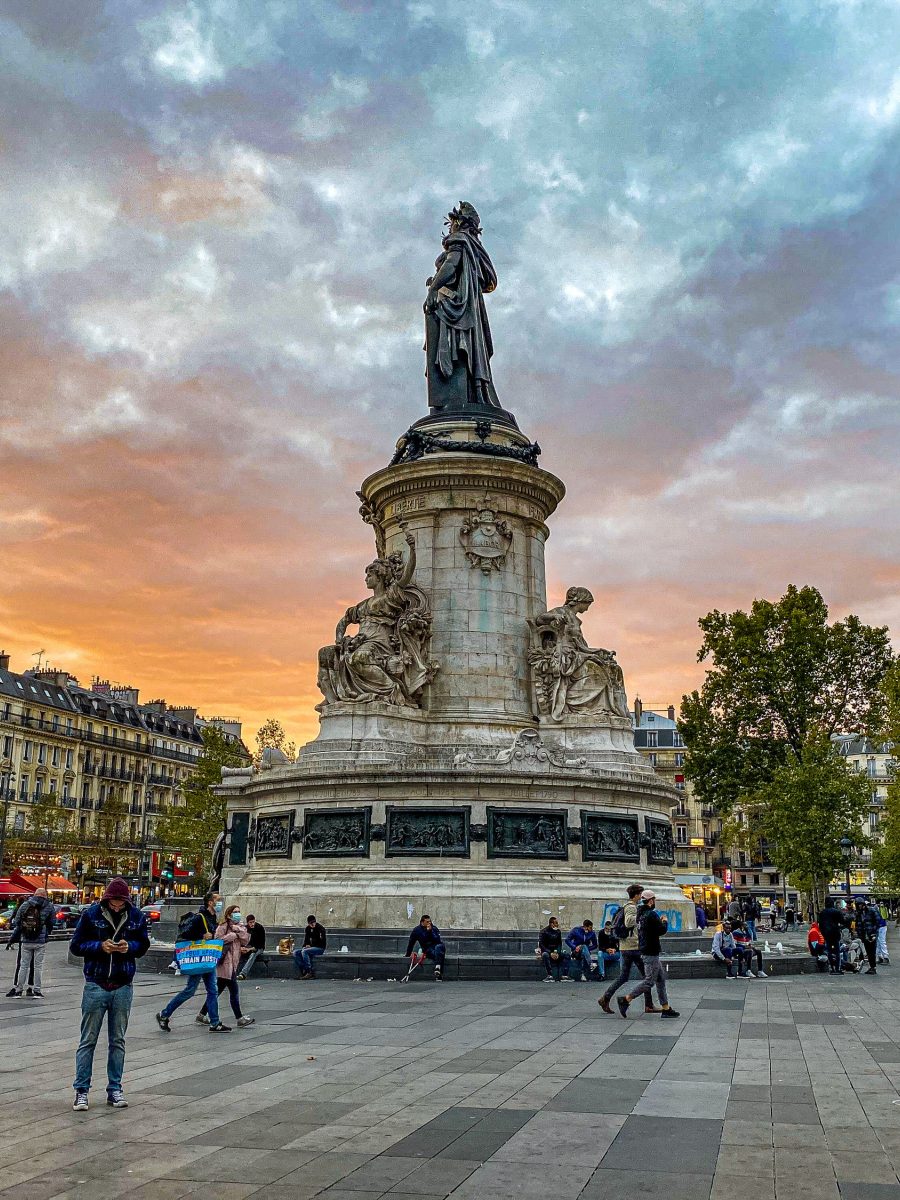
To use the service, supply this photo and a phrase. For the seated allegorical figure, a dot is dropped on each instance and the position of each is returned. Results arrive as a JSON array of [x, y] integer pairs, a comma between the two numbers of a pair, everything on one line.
[[570, 675], [387, 658]]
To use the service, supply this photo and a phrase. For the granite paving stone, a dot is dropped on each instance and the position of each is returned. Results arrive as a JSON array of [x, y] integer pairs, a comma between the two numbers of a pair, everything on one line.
[[349, 1092]]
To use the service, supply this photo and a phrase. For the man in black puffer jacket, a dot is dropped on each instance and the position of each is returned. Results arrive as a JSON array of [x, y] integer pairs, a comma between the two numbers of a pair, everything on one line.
[[831, 921], [867, 918], [109, 936]]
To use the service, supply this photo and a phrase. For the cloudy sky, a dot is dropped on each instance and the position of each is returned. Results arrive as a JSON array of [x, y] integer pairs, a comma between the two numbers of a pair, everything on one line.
[[216, 219]]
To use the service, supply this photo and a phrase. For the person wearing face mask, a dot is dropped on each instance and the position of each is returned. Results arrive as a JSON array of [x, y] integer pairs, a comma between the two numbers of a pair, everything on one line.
[[235, 936], [201, 928]]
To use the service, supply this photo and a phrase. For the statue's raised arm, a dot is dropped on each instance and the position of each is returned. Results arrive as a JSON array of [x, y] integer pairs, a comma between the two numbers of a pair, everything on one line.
[[387, 658], [458, 345]]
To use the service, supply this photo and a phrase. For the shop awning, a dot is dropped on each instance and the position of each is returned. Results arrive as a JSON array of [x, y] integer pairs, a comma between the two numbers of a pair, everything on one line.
[[8, 888], [697, 880], [54, 883]]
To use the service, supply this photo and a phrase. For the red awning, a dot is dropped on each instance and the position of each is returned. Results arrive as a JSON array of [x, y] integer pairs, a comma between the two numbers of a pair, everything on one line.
[[55, 883], [8, 888]]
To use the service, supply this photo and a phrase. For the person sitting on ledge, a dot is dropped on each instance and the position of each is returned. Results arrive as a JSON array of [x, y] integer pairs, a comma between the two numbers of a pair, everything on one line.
[[747, 949], [551, 951], [815, 941], [314, 943], [725, 951], [582, 941], [429, 939], [608, 956], [255, 948]]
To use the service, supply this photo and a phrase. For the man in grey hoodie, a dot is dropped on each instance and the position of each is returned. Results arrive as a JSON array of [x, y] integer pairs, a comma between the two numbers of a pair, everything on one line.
[[31, 929]]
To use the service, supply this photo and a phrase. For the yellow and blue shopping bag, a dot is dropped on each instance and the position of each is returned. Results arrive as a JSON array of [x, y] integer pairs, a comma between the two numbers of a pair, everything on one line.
[[194, 958]]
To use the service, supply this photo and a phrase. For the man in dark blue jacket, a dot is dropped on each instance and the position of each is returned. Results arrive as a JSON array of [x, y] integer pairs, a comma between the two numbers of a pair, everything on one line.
[[109, 936], [428, 936], [582, 941]]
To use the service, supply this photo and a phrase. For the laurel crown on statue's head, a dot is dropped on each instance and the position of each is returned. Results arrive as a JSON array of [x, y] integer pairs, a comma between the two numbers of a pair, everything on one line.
[[465, 214]]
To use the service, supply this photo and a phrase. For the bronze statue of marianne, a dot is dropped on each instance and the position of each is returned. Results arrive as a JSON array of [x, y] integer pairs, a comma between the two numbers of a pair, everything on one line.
[[458, 346]]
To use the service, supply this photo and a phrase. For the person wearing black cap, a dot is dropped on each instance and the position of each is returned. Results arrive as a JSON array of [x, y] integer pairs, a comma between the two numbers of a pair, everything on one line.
[[110, 936]]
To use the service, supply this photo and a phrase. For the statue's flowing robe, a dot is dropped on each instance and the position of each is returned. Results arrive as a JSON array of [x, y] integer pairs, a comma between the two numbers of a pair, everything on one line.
[[464, 337]]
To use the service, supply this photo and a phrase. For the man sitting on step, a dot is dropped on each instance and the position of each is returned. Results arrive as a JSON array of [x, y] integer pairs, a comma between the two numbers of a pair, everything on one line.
[[428, 937]]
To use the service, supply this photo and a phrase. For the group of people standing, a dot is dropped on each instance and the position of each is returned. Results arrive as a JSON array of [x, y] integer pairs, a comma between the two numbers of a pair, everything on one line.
[[833, 938]]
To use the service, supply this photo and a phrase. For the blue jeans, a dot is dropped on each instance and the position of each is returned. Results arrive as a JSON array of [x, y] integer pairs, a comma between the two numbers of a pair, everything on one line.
[[751, 928], [580, 962], [193, 982], [306, 956], [97, 1002], [609, 962]]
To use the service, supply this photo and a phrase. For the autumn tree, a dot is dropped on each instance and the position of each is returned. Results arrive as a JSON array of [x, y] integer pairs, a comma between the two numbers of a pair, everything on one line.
[[271, 734], [193, 826]]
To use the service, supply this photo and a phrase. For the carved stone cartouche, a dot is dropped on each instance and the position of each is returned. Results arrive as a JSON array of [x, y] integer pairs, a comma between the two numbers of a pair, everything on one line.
[[485, 538]]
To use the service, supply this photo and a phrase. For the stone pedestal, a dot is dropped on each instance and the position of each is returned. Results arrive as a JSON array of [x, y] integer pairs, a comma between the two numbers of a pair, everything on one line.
[[471, 806]]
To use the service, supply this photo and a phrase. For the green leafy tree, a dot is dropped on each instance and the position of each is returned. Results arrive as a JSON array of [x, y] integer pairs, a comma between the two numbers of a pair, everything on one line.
[[781, 681], [886, 855], [804, 811], [271, 734], [193, 826]]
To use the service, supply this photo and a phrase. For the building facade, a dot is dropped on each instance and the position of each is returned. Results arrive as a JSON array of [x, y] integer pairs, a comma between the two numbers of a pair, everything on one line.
[[877, 761], [86, 773]]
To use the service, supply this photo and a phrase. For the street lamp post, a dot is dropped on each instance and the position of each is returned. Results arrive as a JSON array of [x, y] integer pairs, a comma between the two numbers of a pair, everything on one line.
[[847, 850]]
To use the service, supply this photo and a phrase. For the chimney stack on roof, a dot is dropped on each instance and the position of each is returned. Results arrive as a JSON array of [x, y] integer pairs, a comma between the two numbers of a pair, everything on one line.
[[671, 712]]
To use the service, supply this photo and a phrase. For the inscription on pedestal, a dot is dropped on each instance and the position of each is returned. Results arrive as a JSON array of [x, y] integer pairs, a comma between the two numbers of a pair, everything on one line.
[[440, 831], [613, 838], [273, 835], [336, 833], [662, 847], [526, 833]]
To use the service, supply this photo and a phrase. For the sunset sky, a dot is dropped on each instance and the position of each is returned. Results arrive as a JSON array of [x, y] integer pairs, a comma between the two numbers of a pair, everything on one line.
[[216, 220]]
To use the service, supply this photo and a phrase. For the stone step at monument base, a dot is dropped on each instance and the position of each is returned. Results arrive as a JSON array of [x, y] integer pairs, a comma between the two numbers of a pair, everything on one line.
[[467, 967]]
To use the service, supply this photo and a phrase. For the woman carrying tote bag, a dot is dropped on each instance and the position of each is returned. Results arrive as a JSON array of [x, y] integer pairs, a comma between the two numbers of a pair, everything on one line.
[[233, 934]]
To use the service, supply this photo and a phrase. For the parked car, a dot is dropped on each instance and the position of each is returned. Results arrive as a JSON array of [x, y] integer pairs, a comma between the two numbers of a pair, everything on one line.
[[6, 916], [67, 915]]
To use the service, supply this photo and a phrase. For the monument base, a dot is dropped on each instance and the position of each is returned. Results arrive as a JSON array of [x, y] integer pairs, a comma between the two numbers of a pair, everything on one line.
[[515, 842]]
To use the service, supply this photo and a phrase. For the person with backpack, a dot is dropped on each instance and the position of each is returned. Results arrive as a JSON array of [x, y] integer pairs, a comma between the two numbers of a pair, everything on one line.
[[31, 929], [624, 929], [651, 928], [235, 937], [110, 936], [199, 927]]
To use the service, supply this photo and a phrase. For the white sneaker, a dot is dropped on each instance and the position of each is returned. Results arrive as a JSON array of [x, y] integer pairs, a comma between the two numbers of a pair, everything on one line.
[[202, 1019], [80, 1103], [567, 978], [761, 975], [583, 977], [751, 975], [549, 979], [243, 1022]]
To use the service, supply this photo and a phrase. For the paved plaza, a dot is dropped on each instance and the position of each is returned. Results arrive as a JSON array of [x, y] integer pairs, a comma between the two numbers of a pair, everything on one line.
[[351, 1091]]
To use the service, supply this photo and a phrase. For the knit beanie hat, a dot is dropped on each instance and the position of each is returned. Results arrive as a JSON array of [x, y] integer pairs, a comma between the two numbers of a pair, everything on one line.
[[117, 889]]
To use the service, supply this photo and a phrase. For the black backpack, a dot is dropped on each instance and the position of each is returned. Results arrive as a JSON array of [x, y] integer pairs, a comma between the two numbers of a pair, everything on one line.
[[184, 926], [619, 929], [31, 923]]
